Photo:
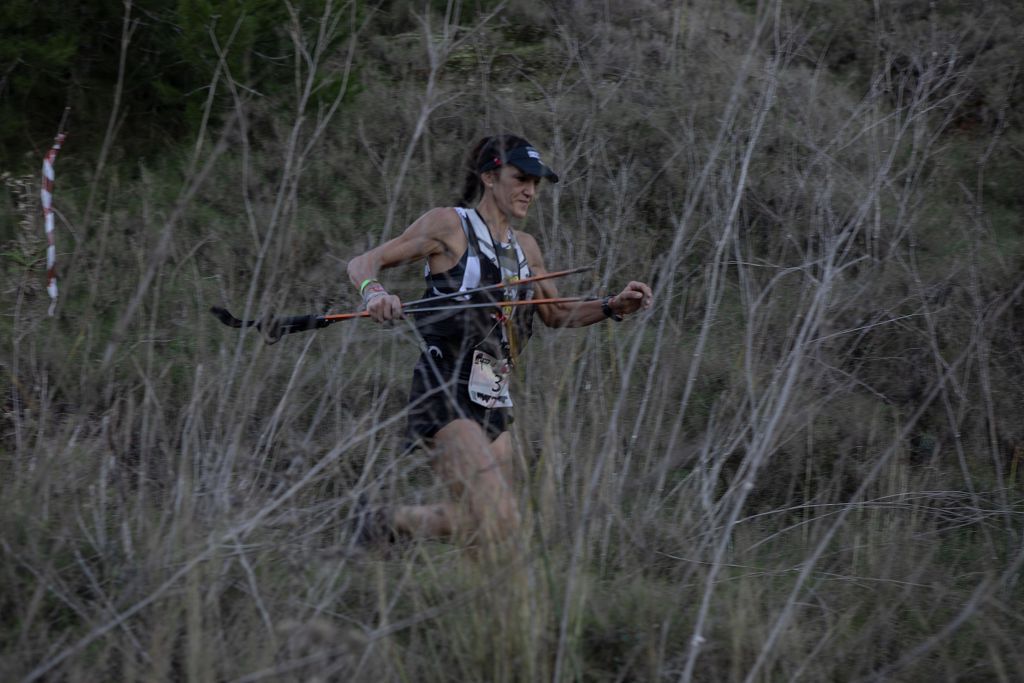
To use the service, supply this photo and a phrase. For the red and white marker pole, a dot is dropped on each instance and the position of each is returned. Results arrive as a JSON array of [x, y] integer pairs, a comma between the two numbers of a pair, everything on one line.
[[46, 195]]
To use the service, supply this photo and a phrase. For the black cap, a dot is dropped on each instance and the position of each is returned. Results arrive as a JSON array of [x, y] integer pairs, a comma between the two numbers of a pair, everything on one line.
[[524, 157]]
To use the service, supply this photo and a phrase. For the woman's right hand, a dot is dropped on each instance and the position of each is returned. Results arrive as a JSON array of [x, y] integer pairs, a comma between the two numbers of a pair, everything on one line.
[[383, 307]]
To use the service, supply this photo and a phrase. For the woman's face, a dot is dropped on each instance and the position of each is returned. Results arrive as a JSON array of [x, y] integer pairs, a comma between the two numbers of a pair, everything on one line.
[[513, 190]]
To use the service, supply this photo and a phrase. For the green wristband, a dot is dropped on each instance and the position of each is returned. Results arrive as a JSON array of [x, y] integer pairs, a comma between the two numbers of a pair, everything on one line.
[[365, 283]]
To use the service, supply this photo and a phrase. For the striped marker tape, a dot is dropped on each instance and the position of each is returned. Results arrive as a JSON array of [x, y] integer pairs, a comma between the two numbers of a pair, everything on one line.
[[46, 195]]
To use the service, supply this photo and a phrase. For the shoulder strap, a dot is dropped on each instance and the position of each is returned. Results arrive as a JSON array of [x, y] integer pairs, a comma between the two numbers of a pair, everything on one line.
[[463, 218], [524, 265], [471, 260], [480, 237]]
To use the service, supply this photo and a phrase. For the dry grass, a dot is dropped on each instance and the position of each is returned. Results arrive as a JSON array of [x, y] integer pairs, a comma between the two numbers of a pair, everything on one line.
[[801, 465]]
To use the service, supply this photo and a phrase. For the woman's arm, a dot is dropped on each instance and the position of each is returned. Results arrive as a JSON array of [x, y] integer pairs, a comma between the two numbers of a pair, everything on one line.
[[634, 297], [431, 234]]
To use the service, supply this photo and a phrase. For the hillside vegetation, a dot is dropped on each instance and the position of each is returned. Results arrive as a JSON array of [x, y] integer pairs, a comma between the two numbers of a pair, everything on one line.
[[804, 464]]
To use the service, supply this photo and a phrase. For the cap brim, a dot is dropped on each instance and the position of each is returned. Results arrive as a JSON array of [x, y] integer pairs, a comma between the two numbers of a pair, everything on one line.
[[535, 168]]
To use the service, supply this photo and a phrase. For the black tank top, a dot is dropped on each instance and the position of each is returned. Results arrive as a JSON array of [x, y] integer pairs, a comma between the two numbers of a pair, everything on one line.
[[451, 336]]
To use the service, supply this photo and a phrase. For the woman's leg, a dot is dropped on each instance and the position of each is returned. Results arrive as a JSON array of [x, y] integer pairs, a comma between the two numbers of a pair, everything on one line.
[[477, 471]]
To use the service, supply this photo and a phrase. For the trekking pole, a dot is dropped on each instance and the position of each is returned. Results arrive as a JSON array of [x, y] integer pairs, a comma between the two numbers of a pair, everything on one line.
[[275, 328]]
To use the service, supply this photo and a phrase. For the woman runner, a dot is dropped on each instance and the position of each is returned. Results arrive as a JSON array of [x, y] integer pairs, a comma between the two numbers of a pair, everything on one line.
[[459, 401]]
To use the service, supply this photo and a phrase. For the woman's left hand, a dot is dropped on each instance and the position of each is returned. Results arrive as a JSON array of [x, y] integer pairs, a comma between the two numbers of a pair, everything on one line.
[[634, 297]]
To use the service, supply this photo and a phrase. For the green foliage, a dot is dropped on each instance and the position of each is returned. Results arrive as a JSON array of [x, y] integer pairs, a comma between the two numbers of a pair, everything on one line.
[[52, 57], [37, 49]]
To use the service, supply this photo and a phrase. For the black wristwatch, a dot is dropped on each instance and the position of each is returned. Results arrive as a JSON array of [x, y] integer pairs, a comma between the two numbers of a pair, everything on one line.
[[606, 308]]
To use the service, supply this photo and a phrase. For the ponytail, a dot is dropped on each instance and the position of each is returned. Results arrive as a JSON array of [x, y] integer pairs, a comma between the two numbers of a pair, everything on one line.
[[472, 186]]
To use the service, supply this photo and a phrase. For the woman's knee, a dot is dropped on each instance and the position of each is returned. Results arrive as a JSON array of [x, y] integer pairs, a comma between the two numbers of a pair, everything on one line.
[[464, 452], [472, 464], [461, 435]]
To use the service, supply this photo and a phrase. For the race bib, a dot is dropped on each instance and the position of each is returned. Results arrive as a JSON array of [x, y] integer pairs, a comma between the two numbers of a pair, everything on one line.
[[488, 381]]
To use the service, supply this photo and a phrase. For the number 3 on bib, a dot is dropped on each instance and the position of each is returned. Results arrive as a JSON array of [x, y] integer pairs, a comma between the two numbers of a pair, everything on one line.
[[488, 381]]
